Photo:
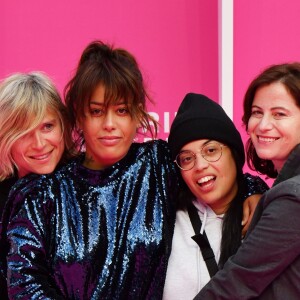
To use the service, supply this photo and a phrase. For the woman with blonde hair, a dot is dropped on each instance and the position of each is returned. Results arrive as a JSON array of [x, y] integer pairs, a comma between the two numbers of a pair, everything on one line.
[[35, 135]]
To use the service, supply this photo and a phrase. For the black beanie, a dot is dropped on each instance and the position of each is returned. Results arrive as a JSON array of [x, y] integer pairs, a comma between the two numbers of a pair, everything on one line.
[[198, 118]]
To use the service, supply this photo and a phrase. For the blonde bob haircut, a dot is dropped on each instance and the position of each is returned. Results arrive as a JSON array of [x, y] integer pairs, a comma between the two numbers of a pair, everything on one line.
[[24, 100]]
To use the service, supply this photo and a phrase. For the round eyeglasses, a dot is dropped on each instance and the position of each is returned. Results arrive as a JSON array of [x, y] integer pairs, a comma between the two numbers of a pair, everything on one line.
[[211, 152]]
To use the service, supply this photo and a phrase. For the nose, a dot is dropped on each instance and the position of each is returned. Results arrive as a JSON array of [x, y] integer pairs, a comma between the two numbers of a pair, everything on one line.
[[200, 162], [108, 123], [265, 123], [38, 140]]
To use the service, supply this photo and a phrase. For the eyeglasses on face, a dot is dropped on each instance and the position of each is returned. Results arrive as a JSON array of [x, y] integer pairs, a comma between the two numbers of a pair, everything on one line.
[[211, 152]]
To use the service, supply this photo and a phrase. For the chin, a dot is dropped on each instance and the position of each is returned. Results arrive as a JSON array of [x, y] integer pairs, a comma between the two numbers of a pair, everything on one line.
[[264, 155]]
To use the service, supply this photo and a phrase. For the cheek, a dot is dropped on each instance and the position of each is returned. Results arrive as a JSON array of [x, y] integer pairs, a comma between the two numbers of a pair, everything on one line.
[[186, 176], [61, 145], [252, 123], [57, 137], [18, 148], [227, 163], [230, 176], [293, 129], [129, 129], [88, 128], [132, 134]]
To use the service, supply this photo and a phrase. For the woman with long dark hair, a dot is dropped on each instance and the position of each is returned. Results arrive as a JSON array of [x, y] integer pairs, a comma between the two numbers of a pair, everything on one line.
[[267, 265], [209, 153]]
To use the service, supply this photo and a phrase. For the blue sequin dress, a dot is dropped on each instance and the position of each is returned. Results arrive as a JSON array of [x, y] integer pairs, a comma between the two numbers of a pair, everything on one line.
[[85, 234]]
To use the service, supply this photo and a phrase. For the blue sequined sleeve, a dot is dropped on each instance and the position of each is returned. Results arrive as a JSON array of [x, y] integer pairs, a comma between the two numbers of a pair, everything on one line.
[[255, 185], [27, 235]]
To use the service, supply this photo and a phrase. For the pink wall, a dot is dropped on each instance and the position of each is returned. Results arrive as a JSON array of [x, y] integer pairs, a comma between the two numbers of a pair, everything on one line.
[[175, 42], [265, 32]]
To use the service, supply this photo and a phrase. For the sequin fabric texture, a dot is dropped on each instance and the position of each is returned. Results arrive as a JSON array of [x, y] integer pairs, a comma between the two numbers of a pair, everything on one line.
[[85, 234], [255, 185]]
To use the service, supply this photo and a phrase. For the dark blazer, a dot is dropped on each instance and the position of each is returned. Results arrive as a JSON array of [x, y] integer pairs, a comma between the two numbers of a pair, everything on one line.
[[267, 265]]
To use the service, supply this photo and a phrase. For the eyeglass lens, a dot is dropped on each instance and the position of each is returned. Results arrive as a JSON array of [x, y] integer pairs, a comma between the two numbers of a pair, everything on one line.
[[211, 152]]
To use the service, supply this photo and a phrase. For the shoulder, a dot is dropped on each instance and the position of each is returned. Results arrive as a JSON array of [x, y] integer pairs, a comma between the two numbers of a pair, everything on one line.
[[290, 187], [156, 149], [156, 155], [286, 193], [255, 180], [34, 185], [255, 185], [25, 183], [154, 144]]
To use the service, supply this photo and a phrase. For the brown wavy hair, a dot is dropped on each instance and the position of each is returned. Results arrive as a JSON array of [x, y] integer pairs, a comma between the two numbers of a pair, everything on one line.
[[289, 75], [118, 71]]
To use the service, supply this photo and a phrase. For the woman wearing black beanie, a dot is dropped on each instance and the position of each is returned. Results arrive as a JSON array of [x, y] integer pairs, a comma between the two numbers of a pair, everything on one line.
[[209, 153]]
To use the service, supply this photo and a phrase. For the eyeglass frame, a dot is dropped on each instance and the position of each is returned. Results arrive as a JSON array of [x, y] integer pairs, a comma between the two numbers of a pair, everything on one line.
[[195, 155]]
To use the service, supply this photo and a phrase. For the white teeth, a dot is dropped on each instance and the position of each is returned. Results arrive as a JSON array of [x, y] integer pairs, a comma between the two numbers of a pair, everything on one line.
[[205, 179], [265, 139]]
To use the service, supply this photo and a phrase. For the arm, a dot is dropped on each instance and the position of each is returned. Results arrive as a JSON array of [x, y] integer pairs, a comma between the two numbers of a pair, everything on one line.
[[270, 248], [255, 188], [249, 207], [29, 275]]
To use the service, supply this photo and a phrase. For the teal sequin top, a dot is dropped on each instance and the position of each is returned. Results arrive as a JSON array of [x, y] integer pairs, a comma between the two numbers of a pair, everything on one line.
[[85, 234]]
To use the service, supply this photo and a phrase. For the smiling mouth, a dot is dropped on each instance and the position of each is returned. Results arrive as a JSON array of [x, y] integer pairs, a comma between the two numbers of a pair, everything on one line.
[[42, 156], [266, 139], [207, 180]]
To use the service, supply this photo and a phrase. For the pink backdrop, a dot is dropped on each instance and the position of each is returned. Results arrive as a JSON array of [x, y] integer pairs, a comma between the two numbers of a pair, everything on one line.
[[175, 42], [265, 32]]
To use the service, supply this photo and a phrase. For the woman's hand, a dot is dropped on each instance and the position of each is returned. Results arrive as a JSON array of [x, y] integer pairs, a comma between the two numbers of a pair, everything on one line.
[[248, 210]]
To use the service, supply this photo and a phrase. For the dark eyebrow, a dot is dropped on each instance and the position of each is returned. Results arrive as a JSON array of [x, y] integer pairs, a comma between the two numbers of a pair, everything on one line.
[[204, 144], [279, 107], [208, 141], [272, 108], [95, 103]]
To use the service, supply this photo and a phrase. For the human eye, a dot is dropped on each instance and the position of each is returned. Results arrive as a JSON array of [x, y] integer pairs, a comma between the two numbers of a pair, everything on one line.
[[123, 110], [211, 149], [279, 115], [48, 126], [256, 113], [96, 111], [185, 158]]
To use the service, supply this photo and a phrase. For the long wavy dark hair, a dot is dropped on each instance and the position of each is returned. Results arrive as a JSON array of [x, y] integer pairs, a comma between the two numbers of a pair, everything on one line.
[[232, 222]]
